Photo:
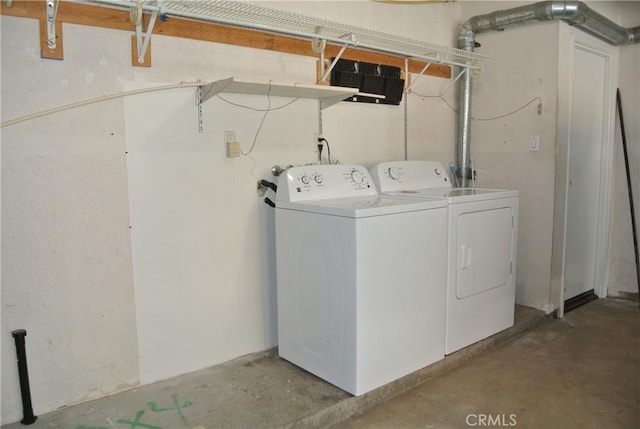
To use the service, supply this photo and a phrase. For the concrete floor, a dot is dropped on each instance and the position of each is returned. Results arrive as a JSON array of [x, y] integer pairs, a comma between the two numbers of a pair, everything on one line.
[[579, 372]]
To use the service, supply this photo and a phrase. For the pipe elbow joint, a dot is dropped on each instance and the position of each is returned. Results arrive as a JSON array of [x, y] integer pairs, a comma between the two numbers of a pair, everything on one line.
[[563, 9], [634, 35], [466, 36]]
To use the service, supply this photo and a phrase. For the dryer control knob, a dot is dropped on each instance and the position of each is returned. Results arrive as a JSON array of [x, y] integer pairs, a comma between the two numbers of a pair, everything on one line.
[[318, 178], [394, 173], [438, 172], [305, 179]]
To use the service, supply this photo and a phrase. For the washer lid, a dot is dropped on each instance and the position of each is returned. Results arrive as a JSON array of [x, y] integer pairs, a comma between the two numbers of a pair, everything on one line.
[[457, 195], [360, 207]]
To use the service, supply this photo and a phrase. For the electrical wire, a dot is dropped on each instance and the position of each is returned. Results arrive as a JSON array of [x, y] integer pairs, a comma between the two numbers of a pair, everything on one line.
[[473, 118], [266, 112], [97, 100], [253, 166], [254, 108], [449, 105], [510, 113], [328, 150], [436, 96]]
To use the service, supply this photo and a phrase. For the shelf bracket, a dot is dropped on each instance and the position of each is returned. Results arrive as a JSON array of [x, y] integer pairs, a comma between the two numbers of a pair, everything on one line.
[[318, 45], [325, 73], [142, 38], [52, 13], [50, 32], [424, 69], [208, 90], [199, 107], [451, 83]]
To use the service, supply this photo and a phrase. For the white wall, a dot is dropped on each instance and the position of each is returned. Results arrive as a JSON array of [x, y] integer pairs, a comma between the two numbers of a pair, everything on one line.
[[66, 257], [69, 274]]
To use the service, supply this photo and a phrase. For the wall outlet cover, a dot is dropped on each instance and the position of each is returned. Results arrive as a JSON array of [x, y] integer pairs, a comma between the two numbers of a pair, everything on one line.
[[233, 149]]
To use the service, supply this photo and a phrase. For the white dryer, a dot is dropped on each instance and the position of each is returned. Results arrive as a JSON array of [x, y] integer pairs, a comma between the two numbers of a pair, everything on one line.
[[481, 252], [361, 278]]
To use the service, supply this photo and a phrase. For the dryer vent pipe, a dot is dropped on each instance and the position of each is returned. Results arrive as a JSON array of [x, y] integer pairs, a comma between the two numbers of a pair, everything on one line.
[[572, 12]]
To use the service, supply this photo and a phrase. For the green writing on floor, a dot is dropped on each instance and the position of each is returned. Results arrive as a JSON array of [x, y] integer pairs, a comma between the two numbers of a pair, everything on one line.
[[176, 406], [144, 422]]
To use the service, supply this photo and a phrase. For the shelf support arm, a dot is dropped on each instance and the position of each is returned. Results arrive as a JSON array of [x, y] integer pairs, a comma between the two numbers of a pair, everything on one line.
[[142, 38], [322, 44], [413, 82], [451, 83]]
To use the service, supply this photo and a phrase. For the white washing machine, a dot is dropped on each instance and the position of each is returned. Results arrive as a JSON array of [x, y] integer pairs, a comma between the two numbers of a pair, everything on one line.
[[482, 247], [361, 278]]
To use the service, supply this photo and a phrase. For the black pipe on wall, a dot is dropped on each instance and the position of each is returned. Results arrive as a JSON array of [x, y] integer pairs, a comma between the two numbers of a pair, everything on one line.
[[23, 373]]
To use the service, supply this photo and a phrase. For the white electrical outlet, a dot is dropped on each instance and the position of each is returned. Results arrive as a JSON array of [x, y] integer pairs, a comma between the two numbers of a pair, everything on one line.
[[534, 143], [233, 149], [232, 146]]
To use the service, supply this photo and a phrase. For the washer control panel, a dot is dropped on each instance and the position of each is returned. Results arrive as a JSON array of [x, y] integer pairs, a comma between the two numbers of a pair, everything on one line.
[[409, 175], [314, 182]]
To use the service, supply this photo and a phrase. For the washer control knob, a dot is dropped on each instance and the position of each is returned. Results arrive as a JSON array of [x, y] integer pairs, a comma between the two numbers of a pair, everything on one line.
[[304, 179], [437, 171], [318, 178], [357, 176]]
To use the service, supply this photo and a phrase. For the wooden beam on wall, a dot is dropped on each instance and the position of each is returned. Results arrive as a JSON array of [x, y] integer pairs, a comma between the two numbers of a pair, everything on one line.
[[90, 15]]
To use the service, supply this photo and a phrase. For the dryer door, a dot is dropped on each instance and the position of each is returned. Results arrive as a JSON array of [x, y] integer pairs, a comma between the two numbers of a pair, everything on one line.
[[484, 244]]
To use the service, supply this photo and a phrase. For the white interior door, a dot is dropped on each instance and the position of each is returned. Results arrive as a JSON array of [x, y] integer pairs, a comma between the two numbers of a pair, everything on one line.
[[587, 131]]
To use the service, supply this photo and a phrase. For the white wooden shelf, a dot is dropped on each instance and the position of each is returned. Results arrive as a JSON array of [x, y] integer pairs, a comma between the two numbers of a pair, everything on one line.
[[327, 95]]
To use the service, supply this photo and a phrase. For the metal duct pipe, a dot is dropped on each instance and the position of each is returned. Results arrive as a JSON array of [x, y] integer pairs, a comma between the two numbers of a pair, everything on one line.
[[573, 12]]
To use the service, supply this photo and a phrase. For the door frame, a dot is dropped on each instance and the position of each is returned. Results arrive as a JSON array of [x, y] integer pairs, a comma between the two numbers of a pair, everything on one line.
[[571, 38]]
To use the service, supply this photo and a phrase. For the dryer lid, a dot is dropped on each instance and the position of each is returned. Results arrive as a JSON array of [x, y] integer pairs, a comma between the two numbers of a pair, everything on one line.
[[457, 195]]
